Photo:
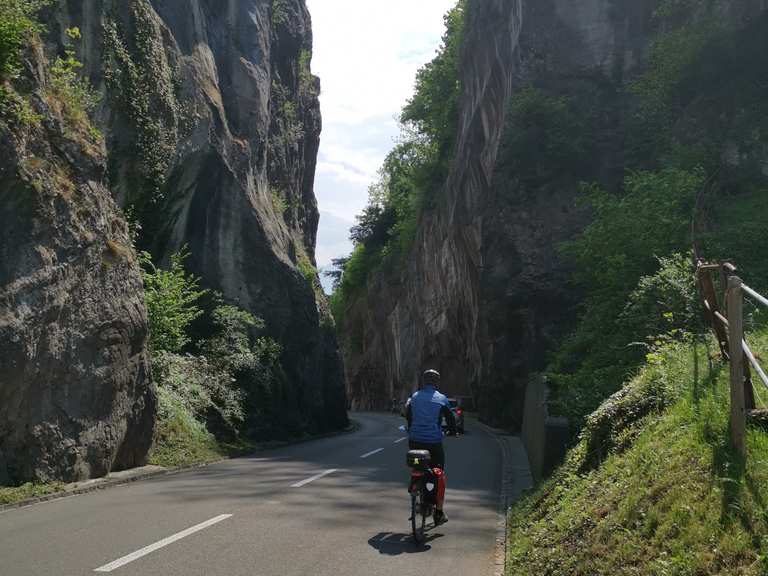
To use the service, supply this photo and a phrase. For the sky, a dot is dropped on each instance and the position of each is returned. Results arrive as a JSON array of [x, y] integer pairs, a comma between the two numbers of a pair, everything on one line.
[[366, 53]]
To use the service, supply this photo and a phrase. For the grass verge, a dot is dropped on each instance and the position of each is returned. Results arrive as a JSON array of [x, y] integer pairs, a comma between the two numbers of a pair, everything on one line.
[[667, 496], [11, 495]]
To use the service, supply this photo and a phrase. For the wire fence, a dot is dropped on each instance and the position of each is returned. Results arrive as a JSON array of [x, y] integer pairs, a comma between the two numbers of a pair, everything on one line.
[[725, 314]]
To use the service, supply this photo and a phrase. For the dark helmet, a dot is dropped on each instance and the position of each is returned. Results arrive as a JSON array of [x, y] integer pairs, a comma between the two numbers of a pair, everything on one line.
[[431, 378]]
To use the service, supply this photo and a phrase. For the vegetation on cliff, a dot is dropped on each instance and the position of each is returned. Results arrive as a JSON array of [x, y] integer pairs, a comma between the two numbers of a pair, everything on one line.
[[215, 375], [691, 129], [413, 172], [652, 485]]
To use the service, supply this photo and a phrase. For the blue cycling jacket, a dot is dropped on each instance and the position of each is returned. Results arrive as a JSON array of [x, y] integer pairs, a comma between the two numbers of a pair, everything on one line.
[[425, 410]]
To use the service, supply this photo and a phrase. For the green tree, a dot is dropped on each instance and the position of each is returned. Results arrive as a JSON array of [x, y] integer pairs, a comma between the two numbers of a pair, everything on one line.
[[172, 301], [413, 171], [434, 108], [617, 261], [17, 25]]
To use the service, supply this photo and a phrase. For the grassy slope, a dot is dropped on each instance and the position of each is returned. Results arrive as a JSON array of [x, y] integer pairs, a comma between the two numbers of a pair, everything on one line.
[[670, 498]]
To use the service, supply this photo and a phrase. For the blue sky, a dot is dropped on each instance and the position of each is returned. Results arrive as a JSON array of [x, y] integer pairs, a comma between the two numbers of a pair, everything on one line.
[[366, 53]]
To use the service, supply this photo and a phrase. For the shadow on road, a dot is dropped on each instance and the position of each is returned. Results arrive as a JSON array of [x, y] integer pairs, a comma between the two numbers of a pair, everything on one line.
[[392, 544]]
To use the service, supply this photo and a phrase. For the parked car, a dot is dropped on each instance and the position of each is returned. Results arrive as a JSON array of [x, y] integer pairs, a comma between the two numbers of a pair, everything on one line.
[[458, 413]]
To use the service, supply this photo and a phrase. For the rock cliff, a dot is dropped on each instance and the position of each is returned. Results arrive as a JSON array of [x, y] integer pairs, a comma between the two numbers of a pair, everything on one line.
[[211, 123], [428, 314], [484, 295], [76, 399]]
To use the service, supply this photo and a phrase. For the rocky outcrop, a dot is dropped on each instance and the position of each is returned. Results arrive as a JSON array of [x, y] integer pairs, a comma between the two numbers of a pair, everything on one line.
[[485, 293], [428, 314], [76, 399], [212, 123]]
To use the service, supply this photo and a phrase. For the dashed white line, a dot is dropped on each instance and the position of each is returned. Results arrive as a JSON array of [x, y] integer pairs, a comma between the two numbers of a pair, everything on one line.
[[160, 544], [401, 439], [313, 478], [372, 452]]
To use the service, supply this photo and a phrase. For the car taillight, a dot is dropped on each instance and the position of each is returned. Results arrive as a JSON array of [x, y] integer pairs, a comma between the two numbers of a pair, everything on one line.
[[459, 411]]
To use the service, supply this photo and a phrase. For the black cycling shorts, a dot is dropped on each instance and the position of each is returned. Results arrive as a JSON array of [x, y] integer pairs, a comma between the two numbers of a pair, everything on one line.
[[436, 453]]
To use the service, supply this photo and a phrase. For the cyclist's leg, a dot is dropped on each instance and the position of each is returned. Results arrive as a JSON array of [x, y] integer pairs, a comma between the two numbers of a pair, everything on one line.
[[438, 461]]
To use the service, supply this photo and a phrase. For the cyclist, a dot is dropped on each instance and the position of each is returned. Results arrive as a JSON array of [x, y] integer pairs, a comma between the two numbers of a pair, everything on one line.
[[425, 411]]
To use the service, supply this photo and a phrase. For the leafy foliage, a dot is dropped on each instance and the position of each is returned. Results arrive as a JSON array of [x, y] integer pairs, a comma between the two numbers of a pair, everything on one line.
[[616, 262], [202, 388], [669, 496], [413, 171], [434, 109], [696, 114], [180, 438], [11, 495], [219, 379], [172, 302], [144, 85], [17, 25], [280, 14], [547, 139], [71, 94]]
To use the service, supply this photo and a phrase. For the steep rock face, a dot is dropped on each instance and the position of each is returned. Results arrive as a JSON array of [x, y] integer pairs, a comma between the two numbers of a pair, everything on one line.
[[428, 315], [485, 292], [76, 399], [213, 123], [211, 127], [527, 303]]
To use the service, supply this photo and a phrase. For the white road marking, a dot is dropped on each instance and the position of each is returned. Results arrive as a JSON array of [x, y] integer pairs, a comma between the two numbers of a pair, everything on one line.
[[161, 544], [401, 439], [372, 452], [313, 478]]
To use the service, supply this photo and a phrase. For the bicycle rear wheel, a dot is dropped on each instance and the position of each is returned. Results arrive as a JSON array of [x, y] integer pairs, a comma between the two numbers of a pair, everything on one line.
[[418, 518]]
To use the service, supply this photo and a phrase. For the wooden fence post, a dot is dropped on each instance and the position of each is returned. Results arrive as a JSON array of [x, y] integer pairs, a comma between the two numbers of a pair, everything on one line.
[[735, 338]]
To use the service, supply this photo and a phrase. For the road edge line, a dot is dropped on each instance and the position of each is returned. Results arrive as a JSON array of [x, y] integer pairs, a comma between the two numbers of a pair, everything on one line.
[[107, 482], [506, 493]]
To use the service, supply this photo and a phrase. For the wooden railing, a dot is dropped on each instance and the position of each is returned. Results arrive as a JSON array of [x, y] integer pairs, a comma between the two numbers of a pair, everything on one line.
[[729, 331]]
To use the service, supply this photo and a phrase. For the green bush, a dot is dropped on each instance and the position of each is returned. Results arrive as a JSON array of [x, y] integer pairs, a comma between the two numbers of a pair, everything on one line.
[[221, 398], [72, 95], [204, 388], [11, 495], [667, 302], [616, 263], [692, 134], [172, 302], [180, 438], [547, 139], [17, 26]]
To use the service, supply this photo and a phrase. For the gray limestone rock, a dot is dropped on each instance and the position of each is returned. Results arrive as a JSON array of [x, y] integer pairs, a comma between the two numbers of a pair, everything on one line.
[[76, 398]]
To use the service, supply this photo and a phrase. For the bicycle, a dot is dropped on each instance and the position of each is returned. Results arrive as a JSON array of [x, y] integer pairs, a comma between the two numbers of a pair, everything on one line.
[[423, 490]]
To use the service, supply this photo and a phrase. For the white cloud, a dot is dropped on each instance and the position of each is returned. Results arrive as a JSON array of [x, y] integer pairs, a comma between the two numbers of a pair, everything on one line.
[[366, 53], [343, 172], [335, 232]]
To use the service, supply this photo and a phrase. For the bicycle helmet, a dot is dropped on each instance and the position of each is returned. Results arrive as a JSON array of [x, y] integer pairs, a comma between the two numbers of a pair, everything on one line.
[[431, 378]]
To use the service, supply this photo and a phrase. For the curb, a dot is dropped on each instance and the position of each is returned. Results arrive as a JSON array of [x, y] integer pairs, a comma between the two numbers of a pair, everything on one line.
[[513, 480], [149, 472]]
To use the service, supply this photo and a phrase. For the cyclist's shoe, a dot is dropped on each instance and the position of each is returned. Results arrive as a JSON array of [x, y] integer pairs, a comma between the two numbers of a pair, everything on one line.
[[440, 517]]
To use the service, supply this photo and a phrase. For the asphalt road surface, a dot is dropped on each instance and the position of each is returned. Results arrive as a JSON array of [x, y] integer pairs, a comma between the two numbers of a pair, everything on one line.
[[332, 507]]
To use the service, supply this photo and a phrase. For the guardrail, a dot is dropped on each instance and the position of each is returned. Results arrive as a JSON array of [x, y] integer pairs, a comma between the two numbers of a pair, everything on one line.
[[729, 331]]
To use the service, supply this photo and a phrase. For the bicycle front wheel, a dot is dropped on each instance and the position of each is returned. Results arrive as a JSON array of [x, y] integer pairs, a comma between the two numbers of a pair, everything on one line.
[[418, 518]]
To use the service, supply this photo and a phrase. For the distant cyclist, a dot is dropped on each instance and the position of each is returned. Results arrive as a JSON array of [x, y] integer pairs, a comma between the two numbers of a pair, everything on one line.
[[425, 411]]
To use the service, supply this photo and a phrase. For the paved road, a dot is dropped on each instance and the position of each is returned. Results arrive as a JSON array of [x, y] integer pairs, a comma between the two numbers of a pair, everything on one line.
[[266, 516]]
